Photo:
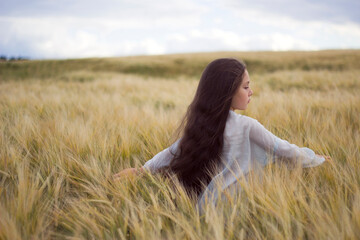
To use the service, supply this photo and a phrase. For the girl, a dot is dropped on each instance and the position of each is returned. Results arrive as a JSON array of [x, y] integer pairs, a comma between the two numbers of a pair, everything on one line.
[[218, 146]]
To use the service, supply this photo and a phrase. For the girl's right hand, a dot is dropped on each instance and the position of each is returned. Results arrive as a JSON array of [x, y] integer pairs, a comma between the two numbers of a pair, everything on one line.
[[126, 173], [129, 173]]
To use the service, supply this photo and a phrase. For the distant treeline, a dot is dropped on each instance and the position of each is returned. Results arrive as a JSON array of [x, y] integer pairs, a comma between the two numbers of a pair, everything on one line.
[[4, 58], [174, 65]]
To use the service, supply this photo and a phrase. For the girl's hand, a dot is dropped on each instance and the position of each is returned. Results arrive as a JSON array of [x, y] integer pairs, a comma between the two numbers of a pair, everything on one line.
[[327, 158], [128, 173]]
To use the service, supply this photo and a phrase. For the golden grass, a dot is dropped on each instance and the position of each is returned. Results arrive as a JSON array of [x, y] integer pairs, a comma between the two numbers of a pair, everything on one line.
[[61, 141]]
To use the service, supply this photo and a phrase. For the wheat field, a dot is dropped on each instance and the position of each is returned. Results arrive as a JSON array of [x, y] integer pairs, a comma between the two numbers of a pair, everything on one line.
[[67, 126]]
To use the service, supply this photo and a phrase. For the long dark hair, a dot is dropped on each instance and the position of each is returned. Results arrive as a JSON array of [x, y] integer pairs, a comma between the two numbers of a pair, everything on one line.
[[200, 148]]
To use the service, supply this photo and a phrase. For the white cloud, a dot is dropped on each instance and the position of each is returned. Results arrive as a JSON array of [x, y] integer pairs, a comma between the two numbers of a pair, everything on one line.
[[294, 33], [84, 29], [218, 20], [304, 10], [203, 40], [177, 37], [152, 47], [282, 42]]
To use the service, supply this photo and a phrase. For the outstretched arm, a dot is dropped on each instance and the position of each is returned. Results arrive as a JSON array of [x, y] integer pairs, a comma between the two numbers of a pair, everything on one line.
[[282, 148], [160, 160]]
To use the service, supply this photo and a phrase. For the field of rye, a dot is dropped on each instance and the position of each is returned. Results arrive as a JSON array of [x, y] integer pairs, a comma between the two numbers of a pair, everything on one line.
[[66, 126]]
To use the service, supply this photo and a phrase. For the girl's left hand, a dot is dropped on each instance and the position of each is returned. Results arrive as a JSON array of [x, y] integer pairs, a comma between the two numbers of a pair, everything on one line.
[[327, 158]]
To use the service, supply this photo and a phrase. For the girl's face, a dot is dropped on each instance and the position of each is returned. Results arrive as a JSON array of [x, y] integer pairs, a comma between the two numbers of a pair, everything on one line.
[[242, 96]]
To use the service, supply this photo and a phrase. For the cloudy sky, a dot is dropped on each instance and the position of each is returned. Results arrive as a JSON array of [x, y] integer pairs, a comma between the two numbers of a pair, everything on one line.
[[44, 29]]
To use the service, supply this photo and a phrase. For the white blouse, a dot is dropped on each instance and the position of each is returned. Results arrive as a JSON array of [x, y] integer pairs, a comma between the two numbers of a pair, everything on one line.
[[247, 144]]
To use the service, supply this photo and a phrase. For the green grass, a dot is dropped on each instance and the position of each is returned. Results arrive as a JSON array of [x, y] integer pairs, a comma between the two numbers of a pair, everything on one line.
[[190, 65]]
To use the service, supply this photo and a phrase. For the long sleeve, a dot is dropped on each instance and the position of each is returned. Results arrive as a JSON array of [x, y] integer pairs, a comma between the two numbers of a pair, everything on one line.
[[248, 145], [161, 159], [282, 148]]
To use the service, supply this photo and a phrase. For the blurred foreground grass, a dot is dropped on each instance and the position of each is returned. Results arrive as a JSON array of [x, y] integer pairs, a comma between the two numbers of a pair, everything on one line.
[[67, 126]]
